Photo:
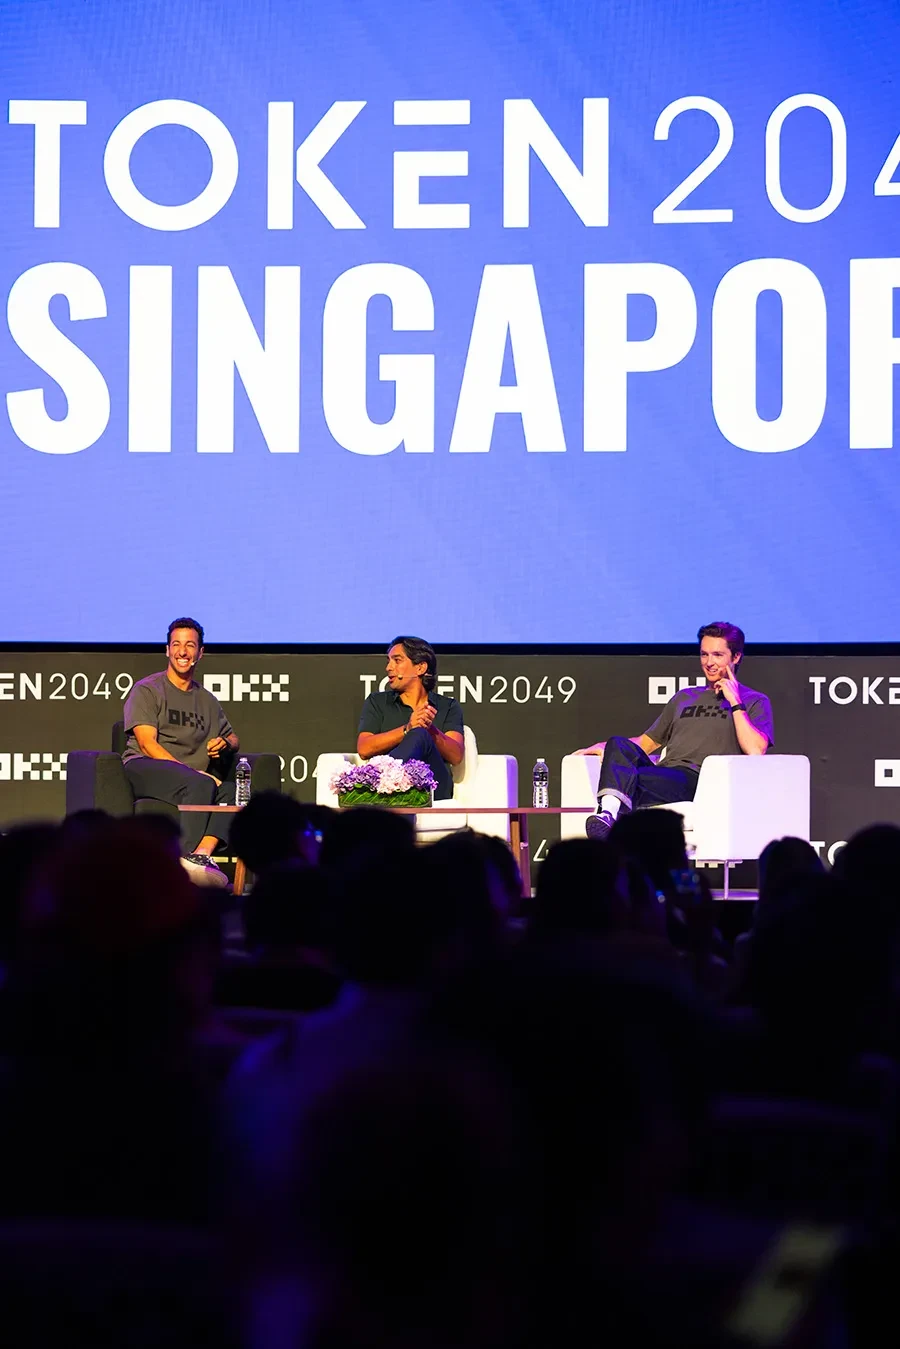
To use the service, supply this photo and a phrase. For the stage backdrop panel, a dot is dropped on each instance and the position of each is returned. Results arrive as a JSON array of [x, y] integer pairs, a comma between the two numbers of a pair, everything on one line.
[[322, 316], [843, 712]]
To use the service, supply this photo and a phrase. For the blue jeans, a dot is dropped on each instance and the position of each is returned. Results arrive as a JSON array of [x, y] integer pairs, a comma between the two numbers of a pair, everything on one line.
[[631, 775], [418, 744]]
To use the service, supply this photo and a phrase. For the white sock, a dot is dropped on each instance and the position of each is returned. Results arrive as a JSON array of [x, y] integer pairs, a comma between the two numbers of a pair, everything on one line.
[[610, 805]]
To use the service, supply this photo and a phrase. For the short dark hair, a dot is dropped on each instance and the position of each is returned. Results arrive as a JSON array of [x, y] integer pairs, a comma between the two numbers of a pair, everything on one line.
[[728, 632], [184, 623], [420, 653]]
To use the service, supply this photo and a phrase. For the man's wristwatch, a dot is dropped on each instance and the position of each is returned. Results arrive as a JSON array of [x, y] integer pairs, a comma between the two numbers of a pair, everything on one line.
[[737, 707]]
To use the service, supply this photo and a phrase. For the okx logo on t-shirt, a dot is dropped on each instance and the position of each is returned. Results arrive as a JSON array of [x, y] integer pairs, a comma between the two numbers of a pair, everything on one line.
[[703, 710], [192, 719]]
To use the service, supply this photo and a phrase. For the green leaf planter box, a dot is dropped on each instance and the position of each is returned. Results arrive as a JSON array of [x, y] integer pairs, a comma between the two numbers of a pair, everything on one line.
[[363, 796]]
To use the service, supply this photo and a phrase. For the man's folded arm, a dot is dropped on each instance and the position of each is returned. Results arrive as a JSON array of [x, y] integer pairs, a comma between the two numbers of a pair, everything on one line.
[[370, 743]]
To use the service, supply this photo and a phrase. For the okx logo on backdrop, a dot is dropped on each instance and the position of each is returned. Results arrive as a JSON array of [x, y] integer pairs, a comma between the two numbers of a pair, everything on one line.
[[234, 688], [660, 688], [39, 767]]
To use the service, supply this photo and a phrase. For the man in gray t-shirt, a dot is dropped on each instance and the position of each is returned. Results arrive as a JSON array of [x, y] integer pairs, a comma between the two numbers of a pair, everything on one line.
[[724, 717], [186, 720], [180, 744], [699, 721]]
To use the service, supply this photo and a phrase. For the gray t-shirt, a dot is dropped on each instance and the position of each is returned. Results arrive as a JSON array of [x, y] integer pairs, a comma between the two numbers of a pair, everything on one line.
[[185, 721], [696, 722]]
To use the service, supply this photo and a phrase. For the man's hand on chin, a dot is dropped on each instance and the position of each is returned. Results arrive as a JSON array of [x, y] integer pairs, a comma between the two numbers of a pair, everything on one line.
[[729, 687]]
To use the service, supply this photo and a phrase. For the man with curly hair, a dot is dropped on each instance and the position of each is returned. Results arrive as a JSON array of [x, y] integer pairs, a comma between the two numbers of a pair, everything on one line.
[[409, 720]]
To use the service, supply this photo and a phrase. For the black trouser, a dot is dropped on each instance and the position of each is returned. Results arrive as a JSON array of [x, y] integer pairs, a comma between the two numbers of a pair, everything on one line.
[[165, 780], [631, 775], [418, 744]]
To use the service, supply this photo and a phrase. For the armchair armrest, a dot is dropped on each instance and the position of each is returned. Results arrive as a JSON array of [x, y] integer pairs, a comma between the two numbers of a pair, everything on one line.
[[743, 801], [265, 772], [495, 783], [326, 766], [95, 780], [578, 781]]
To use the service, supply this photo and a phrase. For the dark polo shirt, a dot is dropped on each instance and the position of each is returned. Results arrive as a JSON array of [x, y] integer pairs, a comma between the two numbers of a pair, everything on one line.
[[385, 712]]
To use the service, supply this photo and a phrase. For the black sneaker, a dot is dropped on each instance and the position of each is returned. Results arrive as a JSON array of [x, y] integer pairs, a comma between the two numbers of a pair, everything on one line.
[[203, 870], [598, 826]]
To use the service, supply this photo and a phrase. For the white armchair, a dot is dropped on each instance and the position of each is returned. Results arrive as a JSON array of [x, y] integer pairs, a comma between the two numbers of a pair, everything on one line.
[[480, 780], [742, 802]]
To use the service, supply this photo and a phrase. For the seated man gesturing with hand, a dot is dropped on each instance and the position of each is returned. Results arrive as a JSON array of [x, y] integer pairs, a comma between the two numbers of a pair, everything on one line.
[[723, 717], [409, 720], [180, 744]]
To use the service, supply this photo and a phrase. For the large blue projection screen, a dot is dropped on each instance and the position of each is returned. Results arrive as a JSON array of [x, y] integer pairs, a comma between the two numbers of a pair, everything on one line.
[[502, 322]]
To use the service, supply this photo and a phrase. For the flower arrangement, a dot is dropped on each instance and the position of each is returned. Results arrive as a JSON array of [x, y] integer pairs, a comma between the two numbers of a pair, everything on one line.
[[383, 781]]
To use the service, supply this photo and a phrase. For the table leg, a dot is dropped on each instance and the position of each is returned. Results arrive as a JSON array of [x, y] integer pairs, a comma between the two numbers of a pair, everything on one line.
[[518, 839], [240, 876]]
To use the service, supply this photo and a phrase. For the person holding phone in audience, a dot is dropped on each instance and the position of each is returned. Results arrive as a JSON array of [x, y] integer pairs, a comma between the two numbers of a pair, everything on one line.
[[723, 716]]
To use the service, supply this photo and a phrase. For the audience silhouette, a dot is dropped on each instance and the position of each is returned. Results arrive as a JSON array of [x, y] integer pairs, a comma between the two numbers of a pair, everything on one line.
[[381, 1102]]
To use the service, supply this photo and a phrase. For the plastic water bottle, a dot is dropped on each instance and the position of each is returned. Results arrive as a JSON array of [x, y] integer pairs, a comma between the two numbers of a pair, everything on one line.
[[540, 778], [242, 782]]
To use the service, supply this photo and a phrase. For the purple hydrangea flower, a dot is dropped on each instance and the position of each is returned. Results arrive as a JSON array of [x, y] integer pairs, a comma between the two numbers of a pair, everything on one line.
[[420, 775], [386, 775], [356, 775]]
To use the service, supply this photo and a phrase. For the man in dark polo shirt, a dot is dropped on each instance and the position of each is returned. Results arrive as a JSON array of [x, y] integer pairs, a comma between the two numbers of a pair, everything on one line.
[[409, 720], [723, 717]]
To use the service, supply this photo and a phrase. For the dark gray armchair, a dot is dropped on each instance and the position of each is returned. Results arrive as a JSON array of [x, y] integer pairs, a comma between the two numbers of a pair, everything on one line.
[[95, 780]]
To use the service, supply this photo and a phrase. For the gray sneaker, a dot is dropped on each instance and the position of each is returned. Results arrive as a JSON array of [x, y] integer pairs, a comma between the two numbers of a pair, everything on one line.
[[598, 826], [203, 870]]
